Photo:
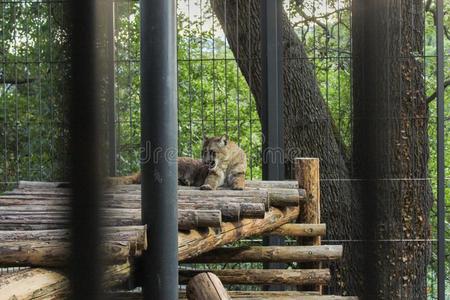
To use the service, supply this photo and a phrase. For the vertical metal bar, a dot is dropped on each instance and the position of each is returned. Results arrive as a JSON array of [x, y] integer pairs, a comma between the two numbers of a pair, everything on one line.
[[110, 90], [272, 125], [440, 147], [272, 62], [84, 266], [159, 139]]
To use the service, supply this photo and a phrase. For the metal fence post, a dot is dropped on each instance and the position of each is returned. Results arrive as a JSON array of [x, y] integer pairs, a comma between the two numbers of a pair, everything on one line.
[[272, 125], [440, 147], [85, 267], [110, 90], [159, 152]]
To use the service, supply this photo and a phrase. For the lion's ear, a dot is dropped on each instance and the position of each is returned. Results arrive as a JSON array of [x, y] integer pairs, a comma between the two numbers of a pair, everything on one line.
[[224, 140]]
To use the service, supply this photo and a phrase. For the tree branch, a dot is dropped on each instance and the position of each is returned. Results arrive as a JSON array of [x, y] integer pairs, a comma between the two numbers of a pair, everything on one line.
[[434, 95], [16, 81]]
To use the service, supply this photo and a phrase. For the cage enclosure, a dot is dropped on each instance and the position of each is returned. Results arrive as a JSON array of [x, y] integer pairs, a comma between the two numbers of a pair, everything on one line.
[[361, 86]]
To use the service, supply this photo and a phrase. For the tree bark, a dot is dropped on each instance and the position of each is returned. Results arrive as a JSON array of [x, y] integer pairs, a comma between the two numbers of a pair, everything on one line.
[[390, 145], [309, 129]]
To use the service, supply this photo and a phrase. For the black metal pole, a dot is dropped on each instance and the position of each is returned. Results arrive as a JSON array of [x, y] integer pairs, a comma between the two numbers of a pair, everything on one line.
[[85, 267], [110, 90], [272, 64], [272, 125], [440, 147], [159, 139]]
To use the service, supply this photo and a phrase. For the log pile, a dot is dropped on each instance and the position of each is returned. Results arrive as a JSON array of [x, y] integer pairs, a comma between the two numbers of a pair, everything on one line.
[[35, 215], [42, 205]]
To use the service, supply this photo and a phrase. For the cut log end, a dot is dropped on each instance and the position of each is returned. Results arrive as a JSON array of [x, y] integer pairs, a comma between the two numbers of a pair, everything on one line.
[[206, 286]]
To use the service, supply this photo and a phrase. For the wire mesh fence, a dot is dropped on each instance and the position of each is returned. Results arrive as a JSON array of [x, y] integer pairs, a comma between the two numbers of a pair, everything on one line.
[[219, 87]]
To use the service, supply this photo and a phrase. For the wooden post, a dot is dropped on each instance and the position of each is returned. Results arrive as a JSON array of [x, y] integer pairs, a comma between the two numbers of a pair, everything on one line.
[[206, 286], [308, 177]]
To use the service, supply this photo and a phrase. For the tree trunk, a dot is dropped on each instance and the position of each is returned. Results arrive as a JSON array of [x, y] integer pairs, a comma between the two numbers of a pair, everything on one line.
[[391, 144], [309, 129]]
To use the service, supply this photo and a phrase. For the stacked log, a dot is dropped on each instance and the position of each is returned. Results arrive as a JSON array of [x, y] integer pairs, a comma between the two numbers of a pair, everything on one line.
[[37, 283], [51, 248], [38, 206], [38, 217]]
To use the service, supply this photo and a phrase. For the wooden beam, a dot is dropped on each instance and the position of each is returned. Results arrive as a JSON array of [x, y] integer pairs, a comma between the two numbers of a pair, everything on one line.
[[270, 254], [231, 211], [37, 283], [189, 219], [194, 243], [26, 217], [308, 179], [300, 230], [54, 253], [264, 276], [248, 183]]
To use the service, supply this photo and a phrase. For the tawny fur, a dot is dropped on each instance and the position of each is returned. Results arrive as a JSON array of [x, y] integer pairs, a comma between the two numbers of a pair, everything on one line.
[[227, 164], [191, 172]]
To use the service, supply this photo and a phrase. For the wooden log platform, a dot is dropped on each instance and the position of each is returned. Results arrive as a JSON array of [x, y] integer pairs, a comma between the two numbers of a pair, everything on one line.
[[54, 243], [231, 211], [36, 217], [263, 276], [41, 205]]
